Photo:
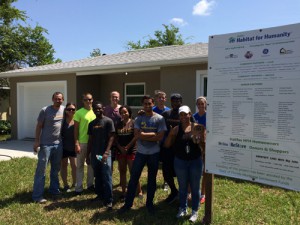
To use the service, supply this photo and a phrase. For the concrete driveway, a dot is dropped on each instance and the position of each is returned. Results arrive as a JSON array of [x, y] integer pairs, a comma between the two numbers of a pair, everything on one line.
[[16, 148]]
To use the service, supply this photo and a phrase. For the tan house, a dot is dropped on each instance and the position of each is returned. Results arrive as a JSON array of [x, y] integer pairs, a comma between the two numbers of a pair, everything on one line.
[[181, 69]]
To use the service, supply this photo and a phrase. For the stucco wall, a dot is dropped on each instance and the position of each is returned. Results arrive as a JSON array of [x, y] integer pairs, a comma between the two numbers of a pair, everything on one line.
[[4, 109], [101, 85], [181, 79]]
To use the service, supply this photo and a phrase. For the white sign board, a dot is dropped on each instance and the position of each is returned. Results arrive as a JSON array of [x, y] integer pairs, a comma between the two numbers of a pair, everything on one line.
[[253, 116]]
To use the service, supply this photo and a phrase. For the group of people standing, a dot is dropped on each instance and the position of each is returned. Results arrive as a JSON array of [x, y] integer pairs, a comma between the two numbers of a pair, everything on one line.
[[98, 135]]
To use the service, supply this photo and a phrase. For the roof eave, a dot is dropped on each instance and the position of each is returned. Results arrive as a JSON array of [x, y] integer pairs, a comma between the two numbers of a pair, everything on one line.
[[89, 70]]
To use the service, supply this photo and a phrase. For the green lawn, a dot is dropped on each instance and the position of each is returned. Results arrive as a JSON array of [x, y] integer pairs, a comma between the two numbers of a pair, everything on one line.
[[235, 202], [4, 137]]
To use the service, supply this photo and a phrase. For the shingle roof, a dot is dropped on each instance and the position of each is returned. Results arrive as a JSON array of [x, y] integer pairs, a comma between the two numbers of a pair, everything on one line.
[[167, 55]]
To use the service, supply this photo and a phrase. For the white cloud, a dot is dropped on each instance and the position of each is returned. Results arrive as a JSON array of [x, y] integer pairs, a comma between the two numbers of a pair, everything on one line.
[[178, 21], [203, 7]]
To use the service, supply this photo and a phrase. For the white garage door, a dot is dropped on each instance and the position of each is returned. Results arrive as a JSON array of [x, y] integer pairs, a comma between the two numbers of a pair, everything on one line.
[[31, 98]]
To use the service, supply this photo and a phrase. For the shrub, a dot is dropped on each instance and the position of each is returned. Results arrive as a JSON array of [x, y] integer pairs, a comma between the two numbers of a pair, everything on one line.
[[5, 127]]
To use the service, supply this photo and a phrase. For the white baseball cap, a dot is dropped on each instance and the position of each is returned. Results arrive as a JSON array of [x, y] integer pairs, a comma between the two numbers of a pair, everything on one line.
[[184, 109]]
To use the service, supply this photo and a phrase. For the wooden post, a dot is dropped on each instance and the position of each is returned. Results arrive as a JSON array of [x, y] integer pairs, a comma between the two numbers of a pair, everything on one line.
[[209, 190]]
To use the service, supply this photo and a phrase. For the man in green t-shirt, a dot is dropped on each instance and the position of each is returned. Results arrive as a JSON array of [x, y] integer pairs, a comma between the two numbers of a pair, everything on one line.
[[82, 118]]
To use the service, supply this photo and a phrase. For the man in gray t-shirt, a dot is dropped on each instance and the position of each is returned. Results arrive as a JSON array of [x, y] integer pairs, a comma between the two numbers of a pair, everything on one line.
[[47, 138], [149, 130]]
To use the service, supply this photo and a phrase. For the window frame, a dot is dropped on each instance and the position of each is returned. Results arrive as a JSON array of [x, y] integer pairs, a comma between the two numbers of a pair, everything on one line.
[[127, 95]]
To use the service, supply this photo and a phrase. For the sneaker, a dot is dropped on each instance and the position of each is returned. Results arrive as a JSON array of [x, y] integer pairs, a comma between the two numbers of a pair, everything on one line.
[[109, 206], [181, 213], [67, 189], [41, 201], [202, 199], [171, 198], [194, 216], [166, 186], [123, 209]]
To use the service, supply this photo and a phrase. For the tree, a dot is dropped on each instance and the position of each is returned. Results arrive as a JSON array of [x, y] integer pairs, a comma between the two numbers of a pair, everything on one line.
[[170, 36], [21, 45], [96, 52]]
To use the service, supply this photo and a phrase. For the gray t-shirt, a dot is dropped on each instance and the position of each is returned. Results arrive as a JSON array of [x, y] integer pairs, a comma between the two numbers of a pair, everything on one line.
[[155, 123], [52, 121]]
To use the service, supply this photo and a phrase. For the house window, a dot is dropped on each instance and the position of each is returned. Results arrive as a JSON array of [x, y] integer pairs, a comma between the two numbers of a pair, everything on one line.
[[134, 93], [201, 83]]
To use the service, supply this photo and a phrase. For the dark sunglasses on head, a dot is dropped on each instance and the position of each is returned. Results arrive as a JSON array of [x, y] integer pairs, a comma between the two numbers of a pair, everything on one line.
[[70, 109], [87, 99]]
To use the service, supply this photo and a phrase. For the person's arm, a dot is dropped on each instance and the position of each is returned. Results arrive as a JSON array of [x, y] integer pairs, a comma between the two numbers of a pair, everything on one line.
[[109, 144], [131, 144], [38, 131], [171, 137], [89, 149], [116, 142], [152, 136], [76, 137]]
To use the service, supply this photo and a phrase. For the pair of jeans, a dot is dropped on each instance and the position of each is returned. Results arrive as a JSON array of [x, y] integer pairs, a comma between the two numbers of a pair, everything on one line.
[[81, 157], [139, 162], [103, 179], [167, 158], [52, 154], [188, 173]]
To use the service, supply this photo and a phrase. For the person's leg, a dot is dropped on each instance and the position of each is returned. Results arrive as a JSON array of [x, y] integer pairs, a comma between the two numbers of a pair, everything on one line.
[[204, 175], [64, 171], [123, 170], [194, 177], [80, 171], [130, 159], [181, 169], [137, 168], [55, 160], [98, 179], [90, 171], [168, 171], [73, 169], [106, 176], [152, 163], [40, 173]]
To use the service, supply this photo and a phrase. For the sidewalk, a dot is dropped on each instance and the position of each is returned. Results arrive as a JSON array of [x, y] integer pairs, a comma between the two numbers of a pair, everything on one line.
[[16, 148]]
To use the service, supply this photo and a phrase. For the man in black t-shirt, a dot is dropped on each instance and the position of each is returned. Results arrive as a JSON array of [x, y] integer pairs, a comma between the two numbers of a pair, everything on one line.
[[101, 135], [167, 154]]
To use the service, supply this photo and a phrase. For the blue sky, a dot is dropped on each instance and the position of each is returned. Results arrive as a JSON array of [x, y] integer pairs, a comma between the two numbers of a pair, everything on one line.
[[77, 27]]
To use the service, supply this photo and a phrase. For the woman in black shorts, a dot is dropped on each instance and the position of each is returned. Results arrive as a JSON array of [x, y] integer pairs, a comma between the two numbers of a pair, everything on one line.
[[67, 133]]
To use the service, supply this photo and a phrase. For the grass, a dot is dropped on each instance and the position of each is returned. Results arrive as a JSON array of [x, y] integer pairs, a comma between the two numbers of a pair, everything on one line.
[[4, 137], [235, 202]]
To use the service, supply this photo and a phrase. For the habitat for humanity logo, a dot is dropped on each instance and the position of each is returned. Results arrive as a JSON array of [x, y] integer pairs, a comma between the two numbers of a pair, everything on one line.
[[284, 51]]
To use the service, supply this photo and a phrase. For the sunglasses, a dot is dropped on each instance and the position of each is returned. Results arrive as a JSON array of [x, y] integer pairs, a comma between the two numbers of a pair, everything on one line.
[[87, 99], [70, 109]]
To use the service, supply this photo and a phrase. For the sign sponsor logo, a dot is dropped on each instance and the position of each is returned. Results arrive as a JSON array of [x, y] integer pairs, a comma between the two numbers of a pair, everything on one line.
[[248, 55]]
